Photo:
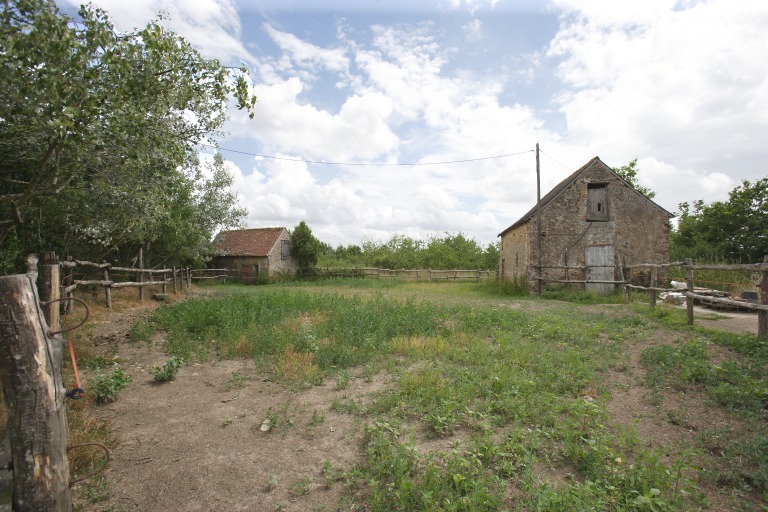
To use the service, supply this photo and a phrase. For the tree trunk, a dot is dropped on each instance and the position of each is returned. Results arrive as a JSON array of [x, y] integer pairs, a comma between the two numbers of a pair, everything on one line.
[[30, 364]]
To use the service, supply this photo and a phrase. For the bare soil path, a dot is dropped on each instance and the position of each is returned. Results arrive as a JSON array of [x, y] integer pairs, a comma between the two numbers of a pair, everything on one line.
[[196, 443]]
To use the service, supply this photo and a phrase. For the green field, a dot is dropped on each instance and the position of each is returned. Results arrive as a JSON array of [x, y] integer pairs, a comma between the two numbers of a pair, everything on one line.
[[547, 404]]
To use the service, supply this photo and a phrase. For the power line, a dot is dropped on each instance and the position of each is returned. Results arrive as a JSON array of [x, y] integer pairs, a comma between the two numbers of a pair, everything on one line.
[[369, 164], [556, 161]]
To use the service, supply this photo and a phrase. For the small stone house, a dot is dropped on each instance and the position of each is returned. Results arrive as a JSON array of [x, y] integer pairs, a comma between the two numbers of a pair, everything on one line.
[[591, 223], [254, 252]]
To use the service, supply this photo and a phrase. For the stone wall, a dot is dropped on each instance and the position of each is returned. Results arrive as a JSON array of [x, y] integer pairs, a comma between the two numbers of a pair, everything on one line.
[[637, 229], [515, 254], [277, 264]]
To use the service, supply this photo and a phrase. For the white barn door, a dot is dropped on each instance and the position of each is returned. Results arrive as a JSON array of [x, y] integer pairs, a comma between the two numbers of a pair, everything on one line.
[[600, 267]]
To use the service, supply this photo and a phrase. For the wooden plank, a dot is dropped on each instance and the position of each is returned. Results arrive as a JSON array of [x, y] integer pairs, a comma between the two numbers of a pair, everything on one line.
[[600, 269], [730, 302]]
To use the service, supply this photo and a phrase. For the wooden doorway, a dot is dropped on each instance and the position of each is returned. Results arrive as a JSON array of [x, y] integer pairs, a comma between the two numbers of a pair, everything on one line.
[[600, 267]]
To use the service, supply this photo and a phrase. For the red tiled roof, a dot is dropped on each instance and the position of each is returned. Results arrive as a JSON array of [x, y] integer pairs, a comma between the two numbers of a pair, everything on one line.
[[246, 242]]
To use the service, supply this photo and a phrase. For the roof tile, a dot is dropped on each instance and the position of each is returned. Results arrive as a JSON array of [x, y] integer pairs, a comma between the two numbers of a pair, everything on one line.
[[246, 242]]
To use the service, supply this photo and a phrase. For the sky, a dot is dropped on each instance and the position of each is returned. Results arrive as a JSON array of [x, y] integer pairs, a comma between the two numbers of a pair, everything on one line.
[[419, 118]]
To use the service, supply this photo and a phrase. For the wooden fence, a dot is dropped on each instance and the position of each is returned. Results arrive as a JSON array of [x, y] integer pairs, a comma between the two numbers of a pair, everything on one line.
[[426, 275], [692, 294], [86, 273]]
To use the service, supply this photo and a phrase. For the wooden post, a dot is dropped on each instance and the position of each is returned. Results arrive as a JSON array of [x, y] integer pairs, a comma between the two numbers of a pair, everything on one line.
[[689, 286], [627, 294], [141, 272], [654, 279], [173, 276], [189, 277], [50, 289], [762, 315], [69, 279], [539, 272], [165, 285], [107, 288], [30, 366]]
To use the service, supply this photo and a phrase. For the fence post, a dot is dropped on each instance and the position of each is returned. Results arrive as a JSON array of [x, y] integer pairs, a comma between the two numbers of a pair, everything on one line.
[[654, 278], [762, 315], [627, 294], [189, 277], [689, 286], [141, 273], [30, 366], [107, 288], [68, 281], [49, 288], [165, 284]]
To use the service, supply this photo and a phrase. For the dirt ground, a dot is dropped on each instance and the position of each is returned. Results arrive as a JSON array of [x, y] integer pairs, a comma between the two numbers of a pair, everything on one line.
[[731, 321], [197, 443]]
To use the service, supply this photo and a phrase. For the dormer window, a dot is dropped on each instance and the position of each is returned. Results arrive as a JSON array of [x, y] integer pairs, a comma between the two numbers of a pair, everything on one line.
[[597, 202]]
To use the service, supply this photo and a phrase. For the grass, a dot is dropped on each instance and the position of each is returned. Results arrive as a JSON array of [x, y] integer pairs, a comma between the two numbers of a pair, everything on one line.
[[521, 391]]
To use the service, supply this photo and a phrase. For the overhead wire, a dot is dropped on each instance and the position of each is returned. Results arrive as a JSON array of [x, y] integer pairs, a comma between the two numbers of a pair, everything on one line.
[[368, 164], [555, 160]]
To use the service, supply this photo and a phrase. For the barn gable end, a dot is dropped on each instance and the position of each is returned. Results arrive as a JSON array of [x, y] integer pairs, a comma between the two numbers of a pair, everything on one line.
[[591, 221]]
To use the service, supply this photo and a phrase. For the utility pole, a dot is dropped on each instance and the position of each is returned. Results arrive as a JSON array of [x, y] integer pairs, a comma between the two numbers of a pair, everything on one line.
[[538, 222]]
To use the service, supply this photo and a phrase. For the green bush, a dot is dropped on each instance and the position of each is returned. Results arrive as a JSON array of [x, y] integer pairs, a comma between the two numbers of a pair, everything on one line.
[[106, 386]]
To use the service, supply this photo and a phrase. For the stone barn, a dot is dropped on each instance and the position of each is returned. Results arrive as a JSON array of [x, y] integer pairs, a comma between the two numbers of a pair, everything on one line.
[[254, 252], [591, 222]]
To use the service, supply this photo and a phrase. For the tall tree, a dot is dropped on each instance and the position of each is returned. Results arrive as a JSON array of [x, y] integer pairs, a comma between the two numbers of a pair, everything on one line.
[[96, 121], [629, 173], [733, 230], [304, 246]]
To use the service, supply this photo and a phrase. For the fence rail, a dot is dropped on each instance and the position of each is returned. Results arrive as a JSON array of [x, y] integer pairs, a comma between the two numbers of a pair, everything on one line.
[[134, 277], [691, 293], [417, 275]]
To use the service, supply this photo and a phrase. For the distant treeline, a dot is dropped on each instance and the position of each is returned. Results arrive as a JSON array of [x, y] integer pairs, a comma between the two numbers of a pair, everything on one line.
[[403, 252]]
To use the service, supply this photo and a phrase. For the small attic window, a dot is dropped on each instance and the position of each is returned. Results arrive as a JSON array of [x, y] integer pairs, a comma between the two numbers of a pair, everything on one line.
[[597, 202]]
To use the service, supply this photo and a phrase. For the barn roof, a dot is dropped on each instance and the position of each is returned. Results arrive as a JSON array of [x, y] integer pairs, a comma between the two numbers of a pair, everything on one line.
[[567, 182], [246, 242]]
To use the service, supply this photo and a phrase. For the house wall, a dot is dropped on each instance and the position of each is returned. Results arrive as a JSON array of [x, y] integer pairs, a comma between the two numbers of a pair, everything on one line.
[[514, 254], [245, 264], [636, 228], [276, 263]]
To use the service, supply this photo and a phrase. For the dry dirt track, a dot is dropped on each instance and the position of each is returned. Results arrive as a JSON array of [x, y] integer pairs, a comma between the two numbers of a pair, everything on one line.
[[731, 321]]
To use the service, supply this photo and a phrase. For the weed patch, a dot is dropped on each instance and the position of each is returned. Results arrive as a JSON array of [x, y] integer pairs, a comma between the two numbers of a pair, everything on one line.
[[168, 370], [105, 387]]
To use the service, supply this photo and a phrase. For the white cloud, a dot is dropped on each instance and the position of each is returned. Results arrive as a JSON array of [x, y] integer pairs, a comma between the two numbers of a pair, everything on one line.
[[284, 122], [682, 82], [211, 26], [669, 181], [474, 30], [306, 54]]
